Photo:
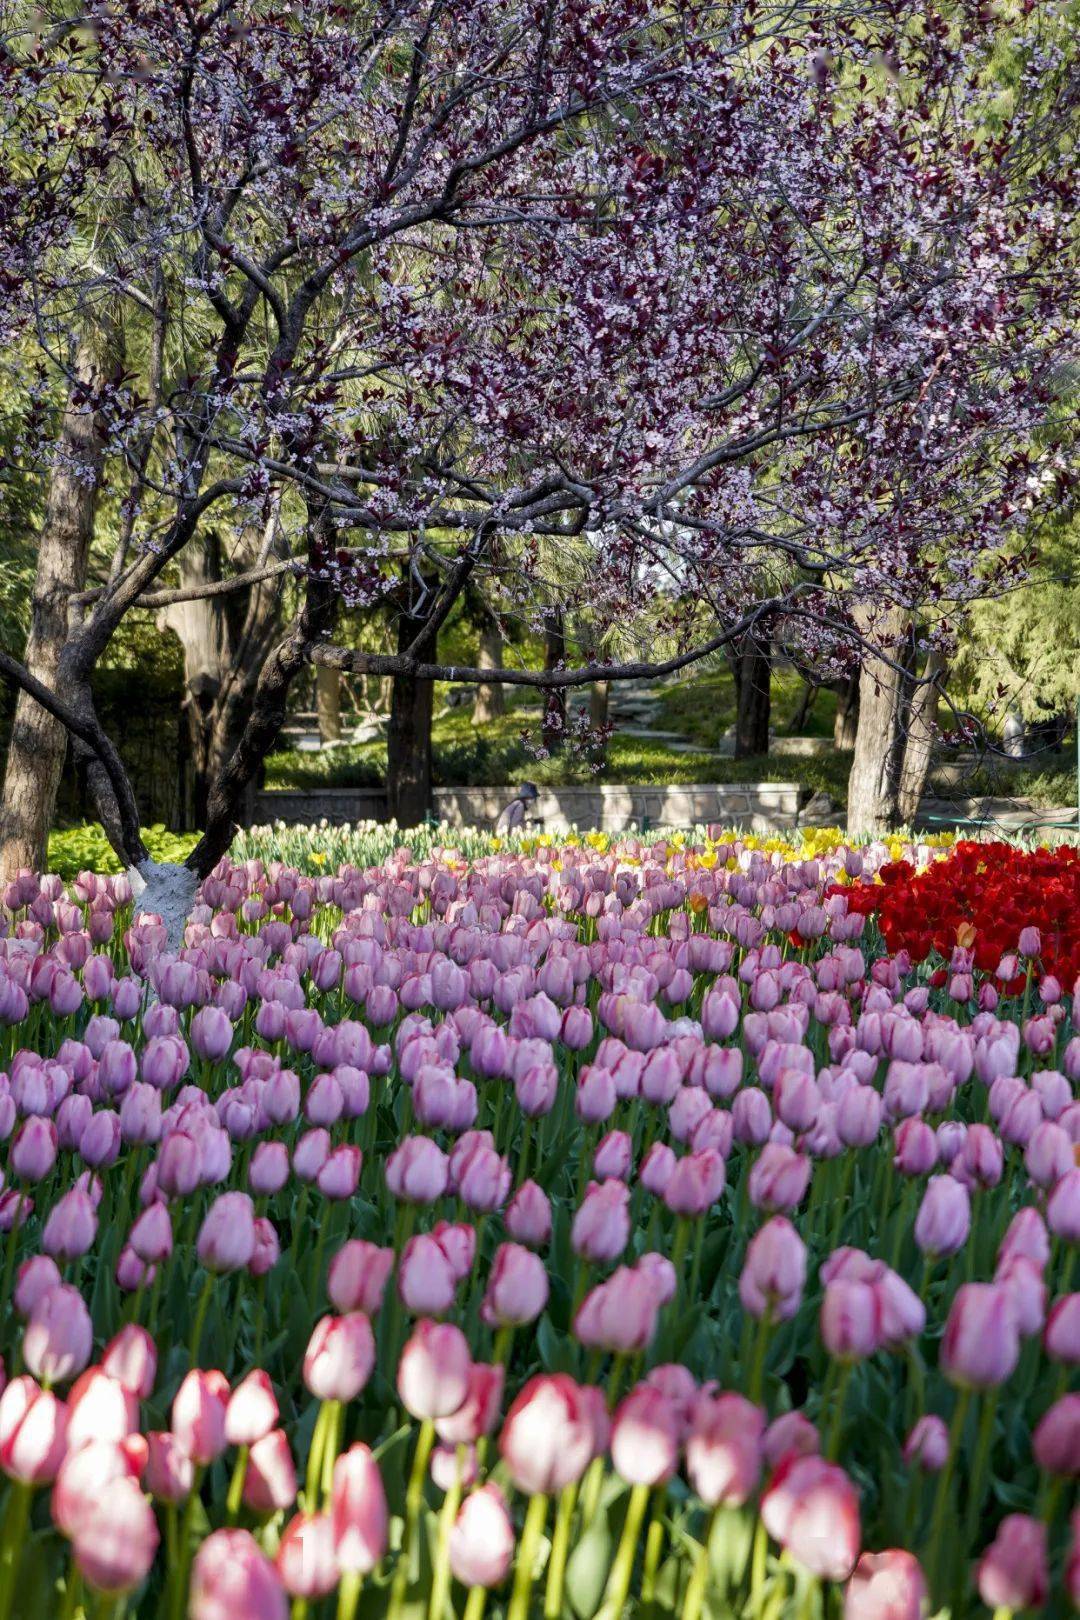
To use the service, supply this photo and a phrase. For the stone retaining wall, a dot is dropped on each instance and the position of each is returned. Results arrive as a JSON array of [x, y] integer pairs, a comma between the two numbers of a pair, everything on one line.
[[760, 807]]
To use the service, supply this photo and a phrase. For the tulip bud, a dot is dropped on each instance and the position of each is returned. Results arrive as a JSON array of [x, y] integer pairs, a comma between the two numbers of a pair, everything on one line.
[[482, 1539], [59, 1336], [1013, 1571], [358, 1276], [116, 1538], [230, 1578], [886, 1586], [340, 1357], [306, 1560], [812, 1509], [33, 1432], [981, 1345], [547, 1440], [358, 1511], [517, 1289], [198, 1415], [434, 1370]]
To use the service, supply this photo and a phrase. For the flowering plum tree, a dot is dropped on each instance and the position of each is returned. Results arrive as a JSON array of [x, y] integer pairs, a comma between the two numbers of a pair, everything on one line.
[[749, 314]]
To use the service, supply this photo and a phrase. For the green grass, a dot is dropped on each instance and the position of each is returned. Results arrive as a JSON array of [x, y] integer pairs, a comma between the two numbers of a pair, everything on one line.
[[86, 849], [498, 755], [702, 707]]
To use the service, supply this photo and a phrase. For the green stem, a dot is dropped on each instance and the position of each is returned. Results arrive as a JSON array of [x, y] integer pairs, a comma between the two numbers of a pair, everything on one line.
[[14, 1537], [618, 1586], [200, 1318], [982, 1457], [941, 1497], [236, 1486], [699, 1580], [526, 1558], [474, 1603], [349, 1594], [414, 1496], [560, 1548], [833, 1447], [440, 1579]]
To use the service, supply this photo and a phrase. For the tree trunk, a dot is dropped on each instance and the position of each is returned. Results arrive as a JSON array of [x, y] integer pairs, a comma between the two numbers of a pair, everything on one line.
[[874, 783], [921, 736], [599, 702], [408, 740], [806, 703], [328, 703], [753, 695], [226, 640], [38, 741], [490, 699], [846, 722], [554, 729]]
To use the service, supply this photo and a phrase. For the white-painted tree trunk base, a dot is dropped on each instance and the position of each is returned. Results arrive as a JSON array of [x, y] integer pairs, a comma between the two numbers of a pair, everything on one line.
[[166, 889]]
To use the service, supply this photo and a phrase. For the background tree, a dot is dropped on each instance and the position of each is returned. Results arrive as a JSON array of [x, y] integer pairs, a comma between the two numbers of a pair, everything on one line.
[[692, 293]]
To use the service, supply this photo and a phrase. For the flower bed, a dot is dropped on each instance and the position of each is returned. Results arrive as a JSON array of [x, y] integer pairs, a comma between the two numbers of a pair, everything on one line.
[[566, 1230]]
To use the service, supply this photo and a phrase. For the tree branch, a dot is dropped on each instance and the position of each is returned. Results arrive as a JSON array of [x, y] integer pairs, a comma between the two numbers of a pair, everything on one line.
[[88, 731]]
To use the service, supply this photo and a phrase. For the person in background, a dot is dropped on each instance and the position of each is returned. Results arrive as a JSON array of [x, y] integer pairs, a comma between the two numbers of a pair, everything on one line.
[[513, 815]]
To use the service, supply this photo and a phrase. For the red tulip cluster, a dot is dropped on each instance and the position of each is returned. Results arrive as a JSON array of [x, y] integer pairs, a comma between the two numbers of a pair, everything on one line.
[[546, 1234]]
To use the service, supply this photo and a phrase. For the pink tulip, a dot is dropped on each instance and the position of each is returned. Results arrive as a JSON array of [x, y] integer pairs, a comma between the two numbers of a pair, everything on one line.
[[306, 1560], [84, 1474], [928, 1444], [1056, 1441], [944, 1219], [791, 1434], [252, 1410], [479, 1412], [198, 1415], [517, 1289], [696, 1183], [812, 1509], [35, 1277], [427, 1281], [779, 1178], [724, 1449], [457, 1240], [601, 1227], [528, 1216], [269, 1169], [1013, 1572], [340, 1357], [71, 1226], [211, 1034], [270, 1480], [358, 1512], [358, 1276], [620, 1313], [774, 1271], [33, 1152], [116, 1538], [1063, 1208], [482, 1539], [886, 1586], [547, 1440], [851, 1319], [227, 1235], [59, 1336], [100, 1408], [170, 1472], [33, 1432], [232, 1580], [645, 1433], [417, 1171], [434, 1370], [1061, 1336], [981, 1346], [340, 1174]]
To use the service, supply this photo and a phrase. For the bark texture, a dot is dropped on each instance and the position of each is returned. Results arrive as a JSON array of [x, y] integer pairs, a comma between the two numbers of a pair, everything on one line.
[[328, 704], [753, 697], [408, 739], [846, 723], [490, 699], [554, 727], [895, 734], [38, 740], [226, 640]]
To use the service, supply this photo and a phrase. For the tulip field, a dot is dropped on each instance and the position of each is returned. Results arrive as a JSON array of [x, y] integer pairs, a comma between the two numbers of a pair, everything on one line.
[[683, 1228]]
